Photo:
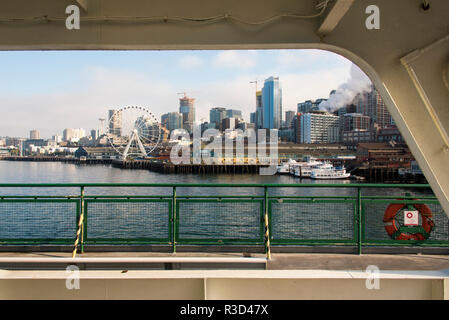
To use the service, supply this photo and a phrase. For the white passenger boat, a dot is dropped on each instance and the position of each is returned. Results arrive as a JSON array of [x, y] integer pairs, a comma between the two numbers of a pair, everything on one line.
[[329, 173], [304, 169], [284, 168]]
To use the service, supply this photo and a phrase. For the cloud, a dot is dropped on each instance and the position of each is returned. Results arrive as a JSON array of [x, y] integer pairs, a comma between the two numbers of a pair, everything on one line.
[[235, 59], [239, 93], [101, 89], [305, 58], [190, 62]]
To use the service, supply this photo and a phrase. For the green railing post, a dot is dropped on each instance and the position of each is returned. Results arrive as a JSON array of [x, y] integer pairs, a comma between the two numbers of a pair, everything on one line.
[[174, 220], [359, 219], [84, 219], [267, 227]]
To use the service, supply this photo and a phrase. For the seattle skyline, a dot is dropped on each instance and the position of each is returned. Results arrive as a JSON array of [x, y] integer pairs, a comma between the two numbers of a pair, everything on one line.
[[50, 91]]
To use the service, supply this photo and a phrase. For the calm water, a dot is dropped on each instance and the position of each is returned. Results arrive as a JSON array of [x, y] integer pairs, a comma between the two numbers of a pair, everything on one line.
[[199, 221], [56, 172]]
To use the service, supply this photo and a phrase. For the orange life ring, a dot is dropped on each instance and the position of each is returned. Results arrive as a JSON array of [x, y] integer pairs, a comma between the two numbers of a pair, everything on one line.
[[396, 232]]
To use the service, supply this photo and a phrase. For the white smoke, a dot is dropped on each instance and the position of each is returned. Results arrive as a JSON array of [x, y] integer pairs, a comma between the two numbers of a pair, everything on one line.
[[357, 83]]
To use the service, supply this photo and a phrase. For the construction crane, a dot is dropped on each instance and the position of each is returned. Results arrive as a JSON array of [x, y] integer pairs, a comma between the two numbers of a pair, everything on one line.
[[255, 82], [185, 93]]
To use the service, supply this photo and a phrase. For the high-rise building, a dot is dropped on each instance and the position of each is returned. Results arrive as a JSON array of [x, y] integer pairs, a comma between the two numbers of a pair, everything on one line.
[[34, 134], [315, 126], [309, 105], [259, 110], [306, 106], [216, 116], [272, 103], [172, 121], [187, 108], [289, 115], [229, 123], [333, 134], [371, 104], [115, 122], [252, 117], [354, 121], [297, 127], [56, 138], [232, 113], [73, 135], [95, 134]]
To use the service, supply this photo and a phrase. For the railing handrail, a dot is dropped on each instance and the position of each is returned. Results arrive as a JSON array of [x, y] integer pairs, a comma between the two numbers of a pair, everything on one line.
[[173, 200], [219, 185]]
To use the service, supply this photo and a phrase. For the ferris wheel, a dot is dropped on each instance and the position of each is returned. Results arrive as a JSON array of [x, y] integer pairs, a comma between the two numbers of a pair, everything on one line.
[[133, 131]]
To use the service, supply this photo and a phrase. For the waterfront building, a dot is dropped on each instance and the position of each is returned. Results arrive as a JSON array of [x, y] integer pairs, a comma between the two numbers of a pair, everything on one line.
[[314, 126], [187, 109], [29, 146], [115, 122], [357, 136], [172, 121], [14, 142], [34, 134], [384, 155], [389, 134], [272, 104], [216, 116]]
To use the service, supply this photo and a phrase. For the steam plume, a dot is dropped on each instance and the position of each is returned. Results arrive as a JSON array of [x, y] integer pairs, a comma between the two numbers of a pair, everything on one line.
[[357, 83]]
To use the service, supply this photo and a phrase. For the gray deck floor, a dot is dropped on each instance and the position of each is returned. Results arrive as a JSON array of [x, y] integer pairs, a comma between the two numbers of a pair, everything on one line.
[[289, 261]]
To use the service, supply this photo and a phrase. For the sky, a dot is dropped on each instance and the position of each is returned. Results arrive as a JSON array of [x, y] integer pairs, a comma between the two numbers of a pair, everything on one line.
[[53, 90]]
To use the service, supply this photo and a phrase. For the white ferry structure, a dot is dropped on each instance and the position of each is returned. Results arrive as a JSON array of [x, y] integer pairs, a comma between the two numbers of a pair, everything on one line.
[[313, 169], [285, 167], [329, 173]]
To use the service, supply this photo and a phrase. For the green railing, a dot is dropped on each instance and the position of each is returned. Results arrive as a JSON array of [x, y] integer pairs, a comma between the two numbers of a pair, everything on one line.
[[213, 214]]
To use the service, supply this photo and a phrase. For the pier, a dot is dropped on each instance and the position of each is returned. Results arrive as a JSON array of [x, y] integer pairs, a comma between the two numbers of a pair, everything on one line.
[[166, 167], [58, 159]]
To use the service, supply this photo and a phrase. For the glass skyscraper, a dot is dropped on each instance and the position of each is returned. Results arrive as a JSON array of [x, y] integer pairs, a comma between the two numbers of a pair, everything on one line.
[[172, 121], [216, 116], [187, 108], [272, 104]]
